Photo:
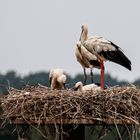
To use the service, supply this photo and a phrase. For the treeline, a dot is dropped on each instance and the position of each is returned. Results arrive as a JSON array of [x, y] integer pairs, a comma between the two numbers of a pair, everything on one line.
[[12, 79]]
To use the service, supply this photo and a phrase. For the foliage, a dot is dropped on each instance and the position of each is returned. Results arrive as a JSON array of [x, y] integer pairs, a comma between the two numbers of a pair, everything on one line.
[[12, 79], [137, 82]]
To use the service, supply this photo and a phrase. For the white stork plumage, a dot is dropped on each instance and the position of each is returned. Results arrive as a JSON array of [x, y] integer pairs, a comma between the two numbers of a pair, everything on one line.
[[104, 50], [86, 59], [79, 87], [57, 78]]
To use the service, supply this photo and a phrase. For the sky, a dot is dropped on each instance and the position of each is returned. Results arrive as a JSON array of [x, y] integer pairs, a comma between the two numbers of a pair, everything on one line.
[[37, 35]]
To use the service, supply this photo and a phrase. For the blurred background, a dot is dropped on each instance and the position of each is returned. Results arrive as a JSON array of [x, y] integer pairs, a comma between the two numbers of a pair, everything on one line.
[[39, 35], [36, 36]]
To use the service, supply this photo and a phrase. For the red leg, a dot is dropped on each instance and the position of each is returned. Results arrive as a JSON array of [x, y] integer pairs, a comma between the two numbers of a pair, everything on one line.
[[102, 75]]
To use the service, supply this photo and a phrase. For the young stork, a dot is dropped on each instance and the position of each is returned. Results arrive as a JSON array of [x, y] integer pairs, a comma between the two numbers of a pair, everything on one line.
[[57, 78], [79, 86], [86, 59], [104, 50]]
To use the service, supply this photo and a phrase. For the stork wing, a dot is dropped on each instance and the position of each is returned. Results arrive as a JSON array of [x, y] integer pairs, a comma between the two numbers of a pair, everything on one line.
[[87, 54], [91, 58], [99, 44], [107, 50]]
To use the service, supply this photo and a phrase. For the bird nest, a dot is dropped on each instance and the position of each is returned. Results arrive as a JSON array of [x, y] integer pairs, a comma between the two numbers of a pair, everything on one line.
[[39, 104]]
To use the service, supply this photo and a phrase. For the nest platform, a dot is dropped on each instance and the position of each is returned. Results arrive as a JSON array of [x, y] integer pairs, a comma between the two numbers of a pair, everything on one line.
[[41, 105]]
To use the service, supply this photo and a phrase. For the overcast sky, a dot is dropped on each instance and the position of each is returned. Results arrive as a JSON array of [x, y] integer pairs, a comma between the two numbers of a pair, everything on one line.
[[37, 35]]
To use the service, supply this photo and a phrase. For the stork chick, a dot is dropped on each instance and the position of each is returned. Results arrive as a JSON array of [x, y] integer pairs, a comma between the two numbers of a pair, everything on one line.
[[57, 78], [79, 86]]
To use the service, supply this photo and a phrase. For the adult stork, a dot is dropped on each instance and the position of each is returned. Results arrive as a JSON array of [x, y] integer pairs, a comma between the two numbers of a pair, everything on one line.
[[86, 59], [104, 50]]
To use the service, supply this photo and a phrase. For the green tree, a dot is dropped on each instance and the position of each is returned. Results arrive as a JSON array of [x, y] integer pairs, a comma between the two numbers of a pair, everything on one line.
[[35, 78]]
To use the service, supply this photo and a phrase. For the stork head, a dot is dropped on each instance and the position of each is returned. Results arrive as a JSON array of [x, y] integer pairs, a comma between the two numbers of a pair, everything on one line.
[[84, 26], [78, 86], [84, 33], [78, 44]]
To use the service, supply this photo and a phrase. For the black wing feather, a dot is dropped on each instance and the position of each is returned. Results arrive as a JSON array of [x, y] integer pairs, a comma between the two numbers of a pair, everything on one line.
[[117, 57], [95, 63]]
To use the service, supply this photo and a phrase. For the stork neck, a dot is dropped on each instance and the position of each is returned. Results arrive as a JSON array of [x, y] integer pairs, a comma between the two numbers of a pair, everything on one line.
[[80, 88], [79, 49], [84, 35]]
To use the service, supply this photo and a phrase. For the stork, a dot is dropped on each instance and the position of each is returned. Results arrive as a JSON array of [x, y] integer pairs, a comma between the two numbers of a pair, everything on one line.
[[104, 50], [79, 86], [86, 59], [57, 78]]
